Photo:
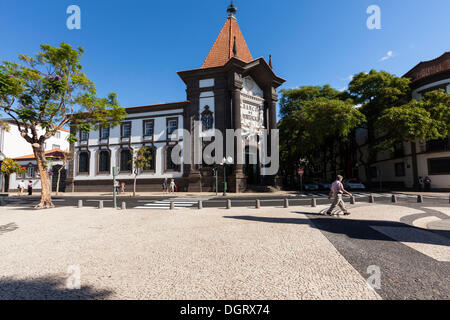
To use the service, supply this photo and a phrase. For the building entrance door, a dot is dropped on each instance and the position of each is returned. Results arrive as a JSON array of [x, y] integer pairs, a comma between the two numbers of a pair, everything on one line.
[[251, 167]]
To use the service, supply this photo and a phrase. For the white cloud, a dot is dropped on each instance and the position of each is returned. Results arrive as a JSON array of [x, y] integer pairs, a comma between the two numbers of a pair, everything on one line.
[[389, 55]]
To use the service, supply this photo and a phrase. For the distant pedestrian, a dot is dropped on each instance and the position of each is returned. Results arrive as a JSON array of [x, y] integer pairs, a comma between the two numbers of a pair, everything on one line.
[[116, 186], [30, 188], [338, 189], [420, 184], [122, 187], [21, 187], [172, 185], [427, 182], [165, 185]]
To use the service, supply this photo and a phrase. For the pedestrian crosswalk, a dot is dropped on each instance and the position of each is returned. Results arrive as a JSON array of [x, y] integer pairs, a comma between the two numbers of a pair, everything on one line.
[[178, 203]]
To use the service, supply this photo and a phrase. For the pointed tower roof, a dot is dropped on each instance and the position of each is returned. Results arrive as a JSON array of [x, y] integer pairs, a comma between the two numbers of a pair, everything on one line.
[[230, 43]]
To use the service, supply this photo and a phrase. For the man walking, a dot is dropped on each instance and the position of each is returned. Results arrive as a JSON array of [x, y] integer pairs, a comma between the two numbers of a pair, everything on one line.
[[338, 189], [21, 187]]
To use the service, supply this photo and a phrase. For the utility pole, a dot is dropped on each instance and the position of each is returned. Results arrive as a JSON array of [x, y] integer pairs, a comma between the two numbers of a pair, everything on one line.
[[115, 172]]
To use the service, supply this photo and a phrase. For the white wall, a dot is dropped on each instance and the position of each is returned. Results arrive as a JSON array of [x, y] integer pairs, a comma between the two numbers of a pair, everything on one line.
[[14, 145], [441, 181], [159, 143], [14, 179]]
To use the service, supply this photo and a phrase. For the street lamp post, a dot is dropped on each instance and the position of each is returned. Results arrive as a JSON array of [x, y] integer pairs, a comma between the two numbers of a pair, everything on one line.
[[228, 160], [216, 175], [2, 158]]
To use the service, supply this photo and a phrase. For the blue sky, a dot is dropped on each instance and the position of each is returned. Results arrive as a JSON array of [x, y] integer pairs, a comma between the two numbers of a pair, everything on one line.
[[135, 47]]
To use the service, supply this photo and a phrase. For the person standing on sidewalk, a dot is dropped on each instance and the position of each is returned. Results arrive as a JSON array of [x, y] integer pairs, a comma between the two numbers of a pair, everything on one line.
[[427, 183], [30, 188], [420, 184], [21, 186], [165, 185], [338, 189], [172, 186]]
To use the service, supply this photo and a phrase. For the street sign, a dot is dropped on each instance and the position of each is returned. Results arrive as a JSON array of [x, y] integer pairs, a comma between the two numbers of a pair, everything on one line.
[[300, 172]]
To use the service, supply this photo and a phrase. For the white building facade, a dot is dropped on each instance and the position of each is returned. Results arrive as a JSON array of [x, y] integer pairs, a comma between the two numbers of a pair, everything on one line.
[[14, 146], [411, 161], [96, 153]]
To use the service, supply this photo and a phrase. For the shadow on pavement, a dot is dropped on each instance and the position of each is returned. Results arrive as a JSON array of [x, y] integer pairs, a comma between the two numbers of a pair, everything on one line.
[[357, 229], [46, 288], [8, 227]]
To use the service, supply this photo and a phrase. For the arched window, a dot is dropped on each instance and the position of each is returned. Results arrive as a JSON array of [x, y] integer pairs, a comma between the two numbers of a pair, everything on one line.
[[170, 164], [125, 160], [150, 154], [104, 161], [83, 162]]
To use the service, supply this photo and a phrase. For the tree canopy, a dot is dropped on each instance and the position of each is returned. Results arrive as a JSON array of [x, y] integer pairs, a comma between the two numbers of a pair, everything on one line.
[[314, 118], [49, 90]]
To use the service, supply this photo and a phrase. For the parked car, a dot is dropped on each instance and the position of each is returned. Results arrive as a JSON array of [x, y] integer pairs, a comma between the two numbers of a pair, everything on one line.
[[324, 185], [353, 184], [311, 186]]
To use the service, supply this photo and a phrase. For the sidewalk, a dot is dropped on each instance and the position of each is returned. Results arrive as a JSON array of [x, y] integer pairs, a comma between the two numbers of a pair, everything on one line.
[[215, 254], [162, 194], [280, 193]]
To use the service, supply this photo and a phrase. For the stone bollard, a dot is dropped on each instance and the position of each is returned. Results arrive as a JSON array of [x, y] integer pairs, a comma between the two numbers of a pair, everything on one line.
[[124, 205], [286, 203], [100, 204], [352, 200], [257, 204], [172, 205], [200, 204], [80, 203], [228, 204], [394, 198], [371, 199], [313, 202], [419, 199]]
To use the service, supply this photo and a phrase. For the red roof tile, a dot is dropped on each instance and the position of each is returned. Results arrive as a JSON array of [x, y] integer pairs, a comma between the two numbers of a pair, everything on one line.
[[222, 50], [54, 153]]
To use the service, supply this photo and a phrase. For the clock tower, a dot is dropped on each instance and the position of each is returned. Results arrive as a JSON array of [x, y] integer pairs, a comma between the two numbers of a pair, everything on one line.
[[231, 90]]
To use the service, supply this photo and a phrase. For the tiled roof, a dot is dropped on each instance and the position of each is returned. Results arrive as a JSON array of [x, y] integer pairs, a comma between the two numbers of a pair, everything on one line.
[[430, 68], [222, 50], [54, 153]]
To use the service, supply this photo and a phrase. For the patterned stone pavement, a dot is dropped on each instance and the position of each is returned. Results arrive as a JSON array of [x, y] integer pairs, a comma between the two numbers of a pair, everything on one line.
[[241, 253]]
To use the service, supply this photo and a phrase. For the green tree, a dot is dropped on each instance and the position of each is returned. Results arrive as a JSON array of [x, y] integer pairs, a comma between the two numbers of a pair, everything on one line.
[[377, 91], [425, 119], [292, 99], [316, 118], [141, 159], [48, 91], [9, 166]]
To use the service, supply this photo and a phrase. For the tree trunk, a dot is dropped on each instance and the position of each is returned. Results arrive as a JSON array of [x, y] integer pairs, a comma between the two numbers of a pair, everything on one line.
[[46, 197], [57, 182], [134, 185]]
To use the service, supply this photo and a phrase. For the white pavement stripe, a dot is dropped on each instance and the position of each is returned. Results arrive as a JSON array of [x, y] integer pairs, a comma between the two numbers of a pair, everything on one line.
[[176, 202], [426, 242], [165, 205], [423, 222], [167, 208]]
